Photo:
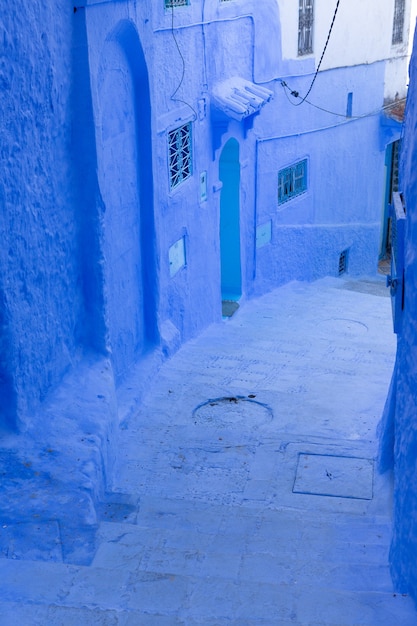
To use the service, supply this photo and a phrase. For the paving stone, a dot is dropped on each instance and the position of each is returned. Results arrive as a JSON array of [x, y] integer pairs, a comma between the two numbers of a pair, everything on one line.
[[35, 582], [24, 615]]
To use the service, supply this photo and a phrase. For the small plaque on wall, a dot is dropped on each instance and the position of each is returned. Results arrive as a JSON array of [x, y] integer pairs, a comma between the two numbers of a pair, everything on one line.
[[263, 234], [176, 255]]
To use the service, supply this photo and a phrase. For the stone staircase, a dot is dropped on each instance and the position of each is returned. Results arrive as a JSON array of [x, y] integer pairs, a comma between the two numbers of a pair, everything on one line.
[[187, 563], [245, 489]]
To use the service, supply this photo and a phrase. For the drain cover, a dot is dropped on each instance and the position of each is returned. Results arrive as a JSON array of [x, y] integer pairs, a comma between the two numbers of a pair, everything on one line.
[[344, 327], [232, 410], [338, 476]]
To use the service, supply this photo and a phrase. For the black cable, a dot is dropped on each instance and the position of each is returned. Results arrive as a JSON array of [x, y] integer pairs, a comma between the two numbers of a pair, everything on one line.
[[295, 93], [316, 106]]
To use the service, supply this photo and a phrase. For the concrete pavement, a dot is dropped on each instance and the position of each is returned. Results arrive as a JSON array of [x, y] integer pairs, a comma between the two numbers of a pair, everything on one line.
[[245, 489]]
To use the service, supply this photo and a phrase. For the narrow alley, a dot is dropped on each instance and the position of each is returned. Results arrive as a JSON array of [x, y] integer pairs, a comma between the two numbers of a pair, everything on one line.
[[246, 489]]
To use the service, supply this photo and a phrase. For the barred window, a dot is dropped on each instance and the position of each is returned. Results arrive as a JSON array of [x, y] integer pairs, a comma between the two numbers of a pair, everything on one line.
[[176, 3], [398, 25], [292, 181], [180, 156], [305, 26]]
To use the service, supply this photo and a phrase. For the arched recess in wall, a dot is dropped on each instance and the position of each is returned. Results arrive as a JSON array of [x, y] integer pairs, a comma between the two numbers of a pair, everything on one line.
[[230, 259], [125, 177]]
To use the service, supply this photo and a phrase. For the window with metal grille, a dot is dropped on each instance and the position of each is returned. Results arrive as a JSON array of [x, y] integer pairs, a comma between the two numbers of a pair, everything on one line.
[[305, 26], [394, 186], [179, 151], [398, 25], [176, 3], [292, 181], [343, 262]]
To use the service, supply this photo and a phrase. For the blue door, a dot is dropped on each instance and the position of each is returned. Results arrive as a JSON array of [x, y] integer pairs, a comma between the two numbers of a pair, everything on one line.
[[229, 174]]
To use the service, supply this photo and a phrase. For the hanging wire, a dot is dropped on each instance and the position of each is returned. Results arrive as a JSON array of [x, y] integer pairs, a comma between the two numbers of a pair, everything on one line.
[[174, 93], [296, 93], [351, 117], [286, 88], [385, 107]]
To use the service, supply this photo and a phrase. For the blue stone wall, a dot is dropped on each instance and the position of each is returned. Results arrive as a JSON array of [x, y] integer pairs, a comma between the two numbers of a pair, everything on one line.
[[40, 301], [401, 410], [341, 208]]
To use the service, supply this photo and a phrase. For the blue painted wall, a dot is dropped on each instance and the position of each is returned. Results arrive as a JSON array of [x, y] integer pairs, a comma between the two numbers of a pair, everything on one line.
[[341, 210], [341, 207], [399, 434]]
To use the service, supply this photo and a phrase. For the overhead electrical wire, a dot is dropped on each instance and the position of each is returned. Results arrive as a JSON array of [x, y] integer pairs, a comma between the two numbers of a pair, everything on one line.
[[296, 93], [286, 87], [344, 115]]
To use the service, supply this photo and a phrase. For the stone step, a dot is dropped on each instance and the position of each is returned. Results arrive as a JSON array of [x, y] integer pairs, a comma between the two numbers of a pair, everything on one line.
[[175, 513], [276, 605], [342, 566], [38, 615], [117, 543], [54, 593]]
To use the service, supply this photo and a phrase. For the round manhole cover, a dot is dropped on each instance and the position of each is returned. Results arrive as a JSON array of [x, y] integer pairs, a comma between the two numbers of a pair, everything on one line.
[[232, 410], [344, 326]]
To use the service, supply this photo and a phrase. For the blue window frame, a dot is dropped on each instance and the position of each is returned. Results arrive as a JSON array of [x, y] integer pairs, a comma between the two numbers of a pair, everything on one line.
[[292, 181], [179, 154]]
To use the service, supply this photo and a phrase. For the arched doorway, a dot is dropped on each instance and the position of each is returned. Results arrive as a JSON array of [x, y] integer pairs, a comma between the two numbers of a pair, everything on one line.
[[125, 178], [229, 174]]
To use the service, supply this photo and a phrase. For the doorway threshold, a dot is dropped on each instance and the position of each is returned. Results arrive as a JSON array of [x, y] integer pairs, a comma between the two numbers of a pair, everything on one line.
[[229, 307]]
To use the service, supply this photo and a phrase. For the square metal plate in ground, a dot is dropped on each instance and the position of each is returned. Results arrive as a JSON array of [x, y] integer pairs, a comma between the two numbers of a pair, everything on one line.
[[337, 476]]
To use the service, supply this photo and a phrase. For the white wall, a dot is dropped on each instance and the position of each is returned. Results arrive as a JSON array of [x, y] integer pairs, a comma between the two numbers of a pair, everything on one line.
[[362, 31]]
